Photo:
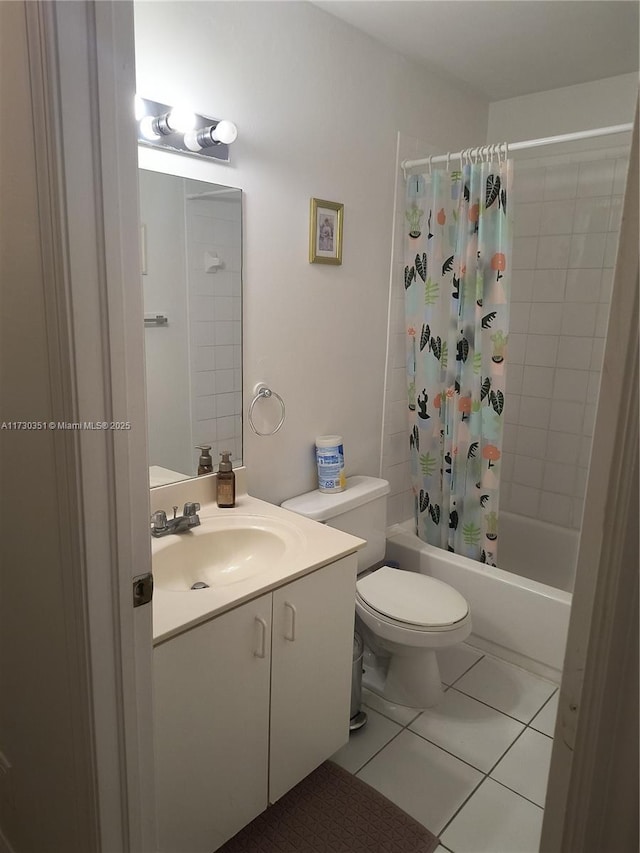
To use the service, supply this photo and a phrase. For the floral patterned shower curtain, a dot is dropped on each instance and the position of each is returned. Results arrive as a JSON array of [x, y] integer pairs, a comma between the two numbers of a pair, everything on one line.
[[456, 278]]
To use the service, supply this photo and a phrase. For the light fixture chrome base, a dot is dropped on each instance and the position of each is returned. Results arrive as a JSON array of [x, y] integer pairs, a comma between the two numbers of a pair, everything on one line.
[[358, 721], [174, 141]]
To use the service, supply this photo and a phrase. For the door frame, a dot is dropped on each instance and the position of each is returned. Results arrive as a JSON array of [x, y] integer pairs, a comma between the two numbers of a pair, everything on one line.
[[81, 58], [592, 794]]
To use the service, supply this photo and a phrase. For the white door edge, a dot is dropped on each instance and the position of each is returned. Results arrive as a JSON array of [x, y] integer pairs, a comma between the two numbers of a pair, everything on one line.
[[577, 801], [84, 81]]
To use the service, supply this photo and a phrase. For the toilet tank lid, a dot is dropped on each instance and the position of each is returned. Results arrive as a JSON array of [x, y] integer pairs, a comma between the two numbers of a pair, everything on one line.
[[321, 506]]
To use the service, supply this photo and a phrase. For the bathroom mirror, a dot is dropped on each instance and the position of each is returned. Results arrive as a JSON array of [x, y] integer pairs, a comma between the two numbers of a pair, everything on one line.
[[191, 243]]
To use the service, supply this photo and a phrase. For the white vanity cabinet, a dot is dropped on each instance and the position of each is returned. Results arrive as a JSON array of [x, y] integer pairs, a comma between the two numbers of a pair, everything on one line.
[[249, 703], [312, 645], [211, 728]]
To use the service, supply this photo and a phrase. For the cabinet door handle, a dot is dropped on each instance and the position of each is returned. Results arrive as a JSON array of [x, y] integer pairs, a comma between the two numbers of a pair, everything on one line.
[[261, 651], [291, 635]]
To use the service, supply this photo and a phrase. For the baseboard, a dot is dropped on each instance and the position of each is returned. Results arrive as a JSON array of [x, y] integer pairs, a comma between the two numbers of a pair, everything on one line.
[[531, 665]]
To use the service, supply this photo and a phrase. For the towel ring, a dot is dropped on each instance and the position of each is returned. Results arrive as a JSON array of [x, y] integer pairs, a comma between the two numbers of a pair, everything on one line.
[[263, 393]]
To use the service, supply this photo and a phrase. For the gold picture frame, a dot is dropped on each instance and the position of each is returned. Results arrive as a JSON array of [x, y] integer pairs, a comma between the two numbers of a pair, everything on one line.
[[325, 232]]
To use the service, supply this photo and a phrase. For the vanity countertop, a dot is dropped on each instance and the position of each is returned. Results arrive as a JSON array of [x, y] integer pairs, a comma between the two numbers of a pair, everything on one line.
[[174, 611]]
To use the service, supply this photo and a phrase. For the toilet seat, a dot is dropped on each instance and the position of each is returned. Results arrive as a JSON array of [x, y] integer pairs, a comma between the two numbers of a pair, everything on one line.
[[411, 601], [406, 628]]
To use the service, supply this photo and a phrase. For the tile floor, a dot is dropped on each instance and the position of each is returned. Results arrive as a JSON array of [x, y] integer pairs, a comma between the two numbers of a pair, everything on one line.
[[474, 769]]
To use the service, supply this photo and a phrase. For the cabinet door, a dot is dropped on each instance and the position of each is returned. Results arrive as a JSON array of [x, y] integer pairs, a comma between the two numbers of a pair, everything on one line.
[[211, 728], [310, 672]]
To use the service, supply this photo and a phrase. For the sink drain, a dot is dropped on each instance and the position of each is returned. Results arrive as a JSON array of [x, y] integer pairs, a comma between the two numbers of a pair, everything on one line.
[[200, 585]]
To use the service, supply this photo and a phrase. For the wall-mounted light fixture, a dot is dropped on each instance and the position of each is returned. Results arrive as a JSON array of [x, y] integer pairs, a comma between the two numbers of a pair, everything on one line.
[[179, 129]]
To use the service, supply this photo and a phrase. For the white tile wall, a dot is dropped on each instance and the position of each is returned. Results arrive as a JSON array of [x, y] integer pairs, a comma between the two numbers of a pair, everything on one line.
[[215, 326], [567, 220]]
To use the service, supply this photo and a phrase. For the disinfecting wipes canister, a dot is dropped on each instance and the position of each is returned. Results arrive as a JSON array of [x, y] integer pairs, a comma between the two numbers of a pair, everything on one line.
[[330, 459]]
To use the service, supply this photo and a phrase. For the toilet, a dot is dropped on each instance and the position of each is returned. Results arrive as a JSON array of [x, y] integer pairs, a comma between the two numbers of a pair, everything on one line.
[[404, 617]]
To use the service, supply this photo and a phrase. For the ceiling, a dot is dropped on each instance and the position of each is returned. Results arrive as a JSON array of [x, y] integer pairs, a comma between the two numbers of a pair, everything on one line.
[[504, 48]]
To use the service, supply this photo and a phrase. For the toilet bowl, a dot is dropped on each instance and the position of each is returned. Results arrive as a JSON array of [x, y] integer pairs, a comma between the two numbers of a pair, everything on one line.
[[404, 617]]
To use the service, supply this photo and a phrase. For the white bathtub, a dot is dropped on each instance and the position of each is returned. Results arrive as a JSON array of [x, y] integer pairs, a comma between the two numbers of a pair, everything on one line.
[[516, 613]]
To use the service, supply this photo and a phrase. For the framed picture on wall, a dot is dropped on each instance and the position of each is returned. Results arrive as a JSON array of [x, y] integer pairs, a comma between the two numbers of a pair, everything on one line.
[[325, 232]]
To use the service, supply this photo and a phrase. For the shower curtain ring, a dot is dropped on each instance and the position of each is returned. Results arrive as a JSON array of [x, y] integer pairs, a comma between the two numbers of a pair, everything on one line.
[[506, 151], [429, 159], [448, 159]]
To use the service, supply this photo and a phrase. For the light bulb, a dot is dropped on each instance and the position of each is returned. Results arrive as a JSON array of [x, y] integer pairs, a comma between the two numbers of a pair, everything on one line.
[[178, 120], [148, 128], [181, 120], [224, 132], [191, 140]]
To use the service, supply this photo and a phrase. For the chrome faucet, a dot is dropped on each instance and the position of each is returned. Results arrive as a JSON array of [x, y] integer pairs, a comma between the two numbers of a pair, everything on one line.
[[162, 526]]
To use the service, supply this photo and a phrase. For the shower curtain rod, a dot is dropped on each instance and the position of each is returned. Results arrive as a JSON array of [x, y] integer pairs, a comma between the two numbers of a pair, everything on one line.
[[516, 146]]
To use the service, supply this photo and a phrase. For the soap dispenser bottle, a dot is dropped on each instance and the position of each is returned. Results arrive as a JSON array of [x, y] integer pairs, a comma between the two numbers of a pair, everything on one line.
[[205, 463], [226, 495]]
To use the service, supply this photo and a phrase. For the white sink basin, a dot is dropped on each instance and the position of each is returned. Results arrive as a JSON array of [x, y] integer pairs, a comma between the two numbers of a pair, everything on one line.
[[221, 551]]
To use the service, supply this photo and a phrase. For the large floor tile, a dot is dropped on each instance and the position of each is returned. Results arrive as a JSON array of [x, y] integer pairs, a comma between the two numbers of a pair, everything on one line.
[[495, 820], [469, 729], [455, 661], [428, 783], [398, 713], [506, 687], [525, 768], [545, 720], [364, 743]]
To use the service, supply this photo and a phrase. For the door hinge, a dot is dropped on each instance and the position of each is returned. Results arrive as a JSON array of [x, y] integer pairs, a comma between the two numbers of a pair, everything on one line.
[[142, 589]]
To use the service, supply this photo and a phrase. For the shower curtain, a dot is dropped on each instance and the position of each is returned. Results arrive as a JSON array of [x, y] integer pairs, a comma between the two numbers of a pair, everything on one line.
[[456, 277]]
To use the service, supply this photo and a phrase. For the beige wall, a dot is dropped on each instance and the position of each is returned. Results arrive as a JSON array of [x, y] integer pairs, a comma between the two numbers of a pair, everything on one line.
[[601, 103], [318, 106]]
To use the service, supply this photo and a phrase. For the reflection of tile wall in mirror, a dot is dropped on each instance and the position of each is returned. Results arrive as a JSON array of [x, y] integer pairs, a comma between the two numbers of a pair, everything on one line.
[[202, 404]]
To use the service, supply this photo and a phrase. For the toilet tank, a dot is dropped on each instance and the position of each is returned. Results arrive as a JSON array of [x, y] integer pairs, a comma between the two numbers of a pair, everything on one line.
[[361, 509]]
